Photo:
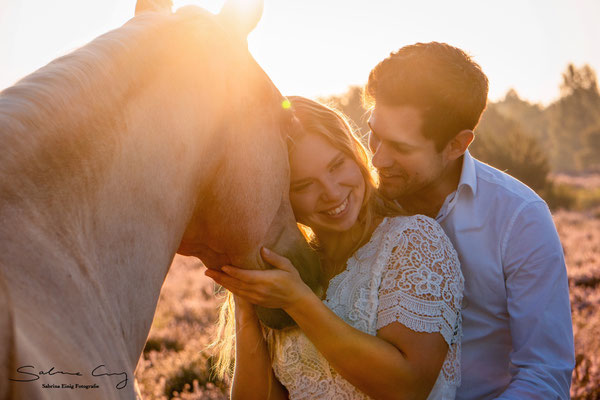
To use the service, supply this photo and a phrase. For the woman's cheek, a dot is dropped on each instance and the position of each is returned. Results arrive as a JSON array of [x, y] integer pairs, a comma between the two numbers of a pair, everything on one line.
[[300, 206]]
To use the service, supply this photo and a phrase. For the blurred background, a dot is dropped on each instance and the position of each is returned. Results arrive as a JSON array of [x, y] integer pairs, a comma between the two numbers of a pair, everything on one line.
[[542, 126]]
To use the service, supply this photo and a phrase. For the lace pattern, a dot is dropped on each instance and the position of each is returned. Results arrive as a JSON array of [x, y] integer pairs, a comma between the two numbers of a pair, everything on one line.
[[422, 287], [408, 273]]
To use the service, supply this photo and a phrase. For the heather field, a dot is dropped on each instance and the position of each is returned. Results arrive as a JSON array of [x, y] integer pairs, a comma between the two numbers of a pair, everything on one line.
[[580, 235], [175, 364]]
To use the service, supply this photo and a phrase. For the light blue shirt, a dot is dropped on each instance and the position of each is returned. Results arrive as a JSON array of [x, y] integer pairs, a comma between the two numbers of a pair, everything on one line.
[[517, 330]]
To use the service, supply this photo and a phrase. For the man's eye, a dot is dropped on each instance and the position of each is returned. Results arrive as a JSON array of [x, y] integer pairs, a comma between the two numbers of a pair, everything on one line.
[[399, 148]]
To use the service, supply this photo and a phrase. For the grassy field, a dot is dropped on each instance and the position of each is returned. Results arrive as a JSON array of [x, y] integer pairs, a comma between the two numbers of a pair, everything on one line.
[[175, 364], [580, 235]]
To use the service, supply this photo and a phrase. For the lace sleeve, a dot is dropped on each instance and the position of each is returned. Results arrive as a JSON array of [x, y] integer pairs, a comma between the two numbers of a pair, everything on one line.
[[422, 284]]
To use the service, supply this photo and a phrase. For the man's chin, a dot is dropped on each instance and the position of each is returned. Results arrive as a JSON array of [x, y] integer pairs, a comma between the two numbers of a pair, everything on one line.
[[390, 193]]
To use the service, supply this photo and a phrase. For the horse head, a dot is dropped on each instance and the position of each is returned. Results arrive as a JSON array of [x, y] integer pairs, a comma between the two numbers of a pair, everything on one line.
[[243, 202], [161, 136]]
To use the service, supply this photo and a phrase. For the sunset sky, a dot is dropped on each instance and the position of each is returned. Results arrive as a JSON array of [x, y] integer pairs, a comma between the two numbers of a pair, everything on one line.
[[319, 47]]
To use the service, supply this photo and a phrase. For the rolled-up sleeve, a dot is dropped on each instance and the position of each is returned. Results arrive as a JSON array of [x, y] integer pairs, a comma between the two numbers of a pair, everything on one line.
[[537, 289]]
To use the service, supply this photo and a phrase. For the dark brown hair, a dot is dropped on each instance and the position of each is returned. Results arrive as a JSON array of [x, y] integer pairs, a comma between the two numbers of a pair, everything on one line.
[[440, 80]]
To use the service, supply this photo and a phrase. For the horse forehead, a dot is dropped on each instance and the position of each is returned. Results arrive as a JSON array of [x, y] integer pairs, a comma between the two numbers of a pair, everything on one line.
[[248, 189]]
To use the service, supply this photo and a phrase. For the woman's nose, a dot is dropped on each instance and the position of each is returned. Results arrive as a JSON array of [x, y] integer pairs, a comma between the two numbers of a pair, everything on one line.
[[331, 190]]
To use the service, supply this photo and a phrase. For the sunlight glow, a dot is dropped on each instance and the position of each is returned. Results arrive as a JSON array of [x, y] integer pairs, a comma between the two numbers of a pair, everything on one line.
[[318, 48], [214, 6]]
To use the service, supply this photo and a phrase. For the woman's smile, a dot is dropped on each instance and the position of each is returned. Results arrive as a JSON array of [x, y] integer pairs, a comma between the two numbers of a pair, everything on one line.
[[327, 187], [339, 210]]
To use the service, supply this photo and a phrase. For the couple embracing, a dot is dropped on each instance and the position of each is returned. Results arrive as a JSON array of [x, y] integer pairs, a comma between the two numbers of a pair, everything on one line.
[[444, 277]]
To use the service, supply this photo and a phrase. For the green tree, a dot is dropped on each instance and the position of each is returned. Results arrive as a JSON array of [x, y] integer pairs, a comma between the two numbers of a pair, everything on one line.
[[502, 143], [530, 116], [581, 79], [572, 115], [589, 156]]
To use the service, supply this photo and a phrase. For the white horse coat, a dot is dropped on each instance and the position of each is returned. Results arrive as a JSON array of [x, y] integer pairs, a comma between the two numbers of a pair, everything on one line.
[[160, 136]]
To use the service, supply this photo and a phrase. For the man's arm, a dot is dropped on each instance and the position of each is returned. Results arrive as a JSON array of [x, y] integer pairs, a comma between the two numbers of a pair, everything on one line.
[[537, 291]]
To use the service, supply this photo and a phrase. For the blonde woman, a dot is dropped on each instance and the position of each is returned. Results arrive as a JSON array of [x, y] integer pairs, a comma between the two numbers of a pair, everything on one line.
[[389, 324]]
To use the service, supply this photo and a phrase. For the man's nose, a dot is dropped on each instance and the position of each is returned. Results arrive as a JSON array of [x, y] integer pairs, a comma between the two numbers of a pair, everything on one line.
[[381, 158]]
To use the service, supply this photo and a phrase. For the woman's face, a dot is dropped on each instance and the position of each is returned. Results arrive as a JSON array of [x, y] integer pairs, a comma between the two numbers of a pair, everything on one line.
[[327, 188]]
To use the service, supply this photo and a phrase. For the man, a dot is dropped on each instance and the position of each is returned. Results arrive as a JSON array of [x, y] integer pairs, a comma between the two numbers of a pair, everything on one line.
[[517, 342]]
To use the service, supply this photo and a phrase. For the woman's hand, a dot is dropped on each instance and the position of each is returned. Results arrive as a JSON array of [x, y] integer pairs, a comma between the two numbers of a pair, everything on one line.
[[280, 287]]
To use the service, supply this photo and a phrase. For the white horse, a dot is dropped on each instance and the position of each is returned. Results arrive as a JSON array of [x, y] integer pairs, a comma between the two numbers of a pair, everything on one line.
[[159, 137]]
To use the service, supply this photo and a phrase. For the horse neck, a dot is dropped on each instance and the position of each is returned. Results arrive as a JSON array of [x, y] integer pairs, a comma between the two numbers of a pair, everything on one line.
[[143, 210], [103, 251]]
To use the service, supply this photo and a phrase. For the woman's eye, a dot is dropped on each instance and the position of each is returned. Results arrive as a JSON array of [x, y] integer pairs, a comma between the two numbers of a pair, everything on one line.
[[337, 164], [299, 188]]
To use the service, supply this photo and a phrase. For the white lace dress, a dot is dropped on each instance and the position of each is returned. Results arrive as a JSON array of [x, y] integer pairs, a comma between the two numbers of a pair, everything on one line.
[[408, 273]]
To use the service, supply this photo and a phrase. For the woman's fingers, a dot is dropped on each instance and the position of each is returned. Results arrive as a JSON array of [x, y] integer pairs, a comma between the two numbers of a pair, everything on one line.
[[276, 260], [235, 285], [227, 281], [241, 290], [246, 275], [268, 288]]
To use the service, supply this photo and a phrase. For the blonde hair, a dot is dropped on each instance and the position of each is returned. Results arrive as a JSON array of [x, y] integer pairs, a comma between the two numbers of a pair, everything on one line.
[[311, 117]]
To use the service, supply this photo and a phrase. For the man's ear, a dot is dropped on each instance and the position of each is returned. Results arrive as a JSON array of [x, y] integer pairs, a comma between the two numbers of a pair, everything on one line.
[[456, 147]]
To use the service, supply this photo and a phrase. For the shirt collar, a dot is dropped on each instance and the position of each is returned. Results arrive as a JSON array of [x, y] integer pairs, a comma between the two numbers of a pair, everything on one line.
[[468, 176]]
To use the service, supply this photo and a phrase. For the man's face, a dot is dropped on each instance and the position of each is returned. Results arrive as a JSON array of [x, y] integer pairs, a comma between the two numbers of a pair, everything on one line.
[[407, 162]]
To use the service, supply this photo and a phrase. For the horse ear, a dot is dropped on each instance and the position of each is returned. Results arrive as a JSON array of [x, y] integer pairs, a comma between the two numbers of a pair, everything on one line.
[[241, 16], [153, 5]]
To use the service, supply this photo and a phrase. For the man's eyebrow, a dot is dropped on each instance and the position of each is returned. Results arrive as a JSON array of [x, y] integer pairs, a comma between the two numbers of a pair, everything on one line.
[[393, 142], [373, 131]]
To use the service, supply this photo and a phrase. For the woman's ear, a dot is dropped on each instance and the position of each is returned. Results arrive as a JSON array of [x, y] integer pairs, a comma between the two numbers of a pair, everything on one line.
[[459, 144], [241, 16], [164, 6]]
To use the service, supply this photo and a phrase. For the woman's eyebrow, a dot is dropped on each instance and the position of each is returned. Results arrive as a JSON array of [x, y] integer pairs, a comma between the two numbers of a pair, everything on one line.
[[335, 159], [300, 181]]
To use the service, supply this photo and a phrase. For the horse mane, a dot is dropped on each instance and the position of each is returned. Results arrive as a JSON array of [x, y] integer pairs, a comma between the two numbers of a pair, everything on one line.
[[67, 116]]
